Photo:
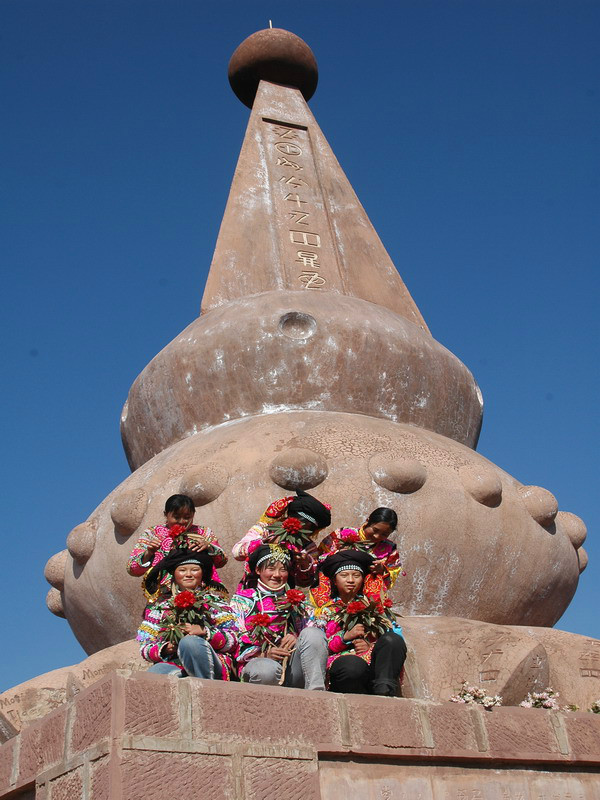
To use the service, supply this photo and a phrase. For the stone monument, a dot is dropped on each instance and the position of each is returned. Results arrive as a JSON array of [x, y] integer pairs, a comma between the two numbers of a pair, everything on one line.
[[311, 367]]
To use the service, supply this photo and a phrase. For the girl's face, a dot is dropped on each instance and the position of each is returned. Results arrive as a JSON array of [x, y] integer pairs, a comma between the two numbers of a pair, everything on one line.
[[184, 516], [349, 583], [188, 576], [378, 532], [273, 575]]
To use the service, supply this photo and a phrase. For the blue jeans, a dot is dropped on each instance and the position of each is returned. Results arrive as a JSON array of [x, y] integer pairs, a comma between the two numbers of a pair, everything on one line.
[[197, 657], [306, 668]]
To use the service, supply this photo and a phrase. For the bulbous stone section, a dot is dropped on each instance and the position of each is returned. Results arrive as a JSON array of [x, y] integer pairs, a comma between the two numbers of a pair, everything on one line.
[[82, 540], [298, 469], [583, 559], [461, 557], [204, 483], [484, 485], [573, 526], [541, 504], [273, 55], [54, 603], [205, 377], [404, 475], [54, 571], [128, 509]]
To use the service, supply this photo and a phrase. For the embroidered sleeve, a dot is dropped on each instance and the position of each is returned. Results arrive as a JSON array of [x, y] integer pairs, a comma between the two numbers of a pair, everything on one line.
[[150, 632], [242, 608], [335, 640], [224, 631], [136, 565], [240, 549]]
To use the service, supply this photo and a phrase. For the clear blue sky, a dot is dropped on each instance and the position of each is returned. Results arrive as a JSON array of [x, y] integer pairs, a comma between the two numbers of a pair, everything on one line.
[[470, 130]]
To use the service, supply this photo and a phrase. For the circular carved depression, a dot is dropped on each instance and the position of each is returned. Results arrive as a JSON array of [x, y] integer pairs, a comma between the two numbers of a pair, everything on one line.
[[297, 468], [482, 484], [541, 504], [404, 475], [128, 509], [204, 483], [573, 526], [54, 603], [54, 572], [297, 325], [81, 541]]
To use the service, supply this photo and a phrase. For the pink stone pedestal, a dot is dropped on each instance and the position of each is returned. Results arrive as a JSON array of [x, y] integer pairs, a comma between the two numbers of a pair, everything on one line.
[[135, 735]]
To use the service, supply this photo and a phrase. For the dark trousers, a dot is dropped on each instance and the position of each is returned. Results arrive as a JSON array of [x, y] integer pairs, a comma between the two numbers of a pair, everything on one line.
[[352, 675]]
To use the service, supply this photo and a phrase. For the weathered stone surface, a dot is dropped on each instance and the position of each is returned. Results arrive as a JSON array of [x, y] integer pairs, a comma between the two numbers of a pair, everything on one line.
[[573, 661], [67, 787], [514, 733], [194, 383], [151, 706], [7, 764], [231, 711], [42, 744], [273, 778], [54, 571], [127, 510], [445, 651], [92, 716], [100, 788], [151, 775], [386, 748], [453, 731], [35, 698], [383, 722]]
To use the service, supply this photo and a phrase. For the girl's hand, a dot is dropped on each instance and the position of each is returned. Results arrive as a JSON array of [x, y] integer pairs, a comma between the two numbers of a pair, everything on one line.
[[361, 646], [169, 649], [303, 561], [357, 632], [152, 543], [379, 568], [288, 642], [278, 653], [193, 630], [198, 546]]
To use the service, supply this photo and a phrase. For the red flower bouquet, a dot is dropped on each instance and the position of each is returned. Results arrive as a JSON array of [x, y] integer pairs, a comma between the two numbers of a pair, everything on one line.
[[187, 607], [258, 629], [370, 613], [290, 532], [184, 599]]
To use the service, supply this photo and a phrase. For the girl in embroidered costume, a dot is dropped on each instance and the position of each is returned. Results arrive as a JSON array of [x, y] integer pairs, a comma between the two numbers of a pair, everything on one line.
[[366, 650], [292, 522], [278, 640], [178, 532], [190, 629], [373, 538]]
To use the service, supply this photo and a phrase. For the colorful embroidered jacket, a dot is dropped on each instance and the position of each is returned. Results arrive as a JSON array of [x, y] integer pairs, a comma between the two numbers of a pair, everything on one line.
[[222, 632], [330, 622], [248, 602], [258, 533], [384, 550], [137, 567]]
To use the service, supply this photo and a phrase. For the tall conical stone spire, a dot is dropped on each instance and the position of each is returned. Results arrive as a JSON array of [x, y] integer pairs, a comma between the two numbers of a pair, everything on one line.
[[310, 367], [293, 221]]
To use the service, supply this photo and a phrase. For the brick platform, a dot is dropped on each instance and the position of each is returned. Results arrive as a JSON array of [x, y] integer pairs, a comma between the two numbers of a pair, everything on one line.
[[146, 736]]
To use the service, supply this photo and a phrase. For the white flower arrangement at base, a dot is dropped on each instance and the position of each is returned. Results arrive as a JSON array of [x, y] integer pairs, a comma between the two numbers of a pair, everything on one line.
[[475, 695]]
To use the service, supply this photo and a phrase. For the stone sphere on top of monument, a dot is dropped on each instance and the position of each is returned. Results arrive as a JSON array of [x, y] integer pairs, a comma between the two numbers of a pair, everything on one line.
[[273, 55]]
